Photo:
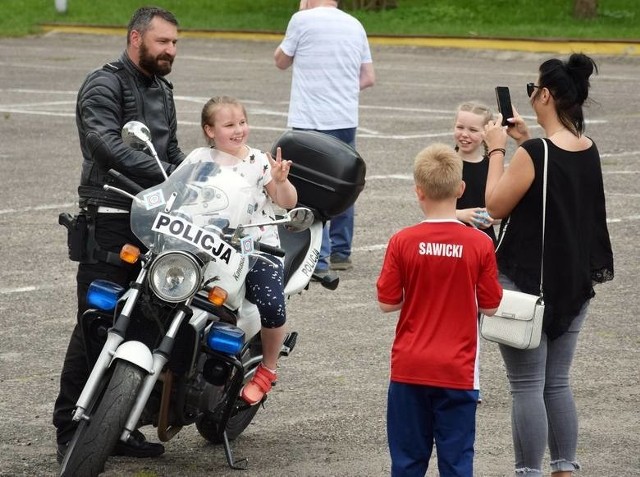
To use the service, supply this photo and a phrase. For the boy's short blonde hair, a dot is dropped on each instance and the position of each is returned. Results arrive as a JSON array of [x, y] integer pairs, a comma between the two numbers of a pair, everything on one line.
[[437, 171]]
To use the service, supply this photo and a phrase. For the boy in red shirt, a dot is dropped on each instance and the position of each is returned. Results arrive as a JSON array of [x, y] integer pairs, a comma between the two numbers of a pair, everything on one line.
[[439, 274]]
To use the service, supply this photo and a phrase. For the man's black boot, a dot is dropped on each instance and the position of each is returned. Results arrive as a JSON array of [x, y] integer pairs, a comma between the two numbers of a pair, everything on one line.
[[136, 446]]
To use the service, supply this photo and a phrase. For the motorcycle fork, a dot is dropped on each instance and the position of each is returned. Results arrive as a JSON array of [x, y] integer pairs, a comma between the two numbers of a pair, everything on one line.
[[115, 337], [160, 358]]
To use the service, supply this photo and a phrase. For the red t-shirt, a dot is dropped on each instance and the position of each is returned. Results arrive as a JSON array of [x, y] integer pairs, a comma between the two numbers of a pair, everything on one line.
[[443, 271]]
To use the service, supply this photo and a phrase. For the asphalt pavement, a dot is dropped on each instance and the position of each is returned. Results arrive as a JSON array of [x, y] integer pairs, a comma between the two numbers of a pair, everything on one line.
[[326, 417]]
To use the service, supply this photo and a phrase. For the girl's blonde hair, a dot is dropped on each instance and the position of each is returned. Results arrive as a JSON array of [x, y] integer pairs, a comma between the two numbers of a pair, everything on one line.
[[476, 107], [211, 107], [479, 108]]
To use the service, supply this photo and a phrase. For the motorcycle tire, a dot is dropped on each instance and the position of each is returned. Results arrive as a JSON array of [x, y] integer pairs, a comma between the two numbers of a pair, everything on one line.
[[208, 427], [95, 438]]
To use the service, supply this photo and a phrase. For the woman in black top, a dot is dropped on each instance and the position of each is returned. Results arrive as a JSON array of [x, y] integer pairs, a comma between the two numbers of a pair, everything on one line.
[[577, 254]]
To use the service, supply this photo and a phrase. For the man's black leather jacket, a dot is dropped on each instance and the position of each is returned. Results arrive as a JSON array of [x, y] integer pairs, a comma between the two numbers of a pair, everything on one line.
[[109, 98]]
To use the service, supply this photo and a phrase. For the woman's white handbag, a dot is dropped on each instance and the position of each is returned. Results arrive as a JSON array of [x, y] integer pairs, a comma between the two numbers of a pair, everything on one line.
[[518, 321]]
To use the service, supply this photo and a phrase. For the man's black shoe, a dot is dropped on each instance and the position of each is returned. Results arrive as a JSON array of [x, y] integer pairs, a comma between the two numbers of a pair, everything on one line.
[[136, 446]]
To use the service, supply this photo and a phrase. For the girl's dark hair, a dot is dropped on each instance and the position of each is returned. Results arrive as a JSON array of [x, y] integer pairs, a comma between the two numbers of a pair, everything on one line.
[[568, 82], [142, 17]]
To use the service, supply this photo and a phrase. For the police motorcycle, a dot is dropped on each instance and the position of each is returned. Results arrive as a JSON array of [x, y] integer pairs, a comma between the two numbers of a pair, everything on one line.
[[180, 343]]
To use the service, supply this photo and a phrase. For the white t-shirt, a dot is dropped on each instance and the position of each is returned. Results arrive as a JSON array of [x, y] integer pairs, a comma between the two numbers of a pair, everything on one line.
[[328, 47], [255, 171]]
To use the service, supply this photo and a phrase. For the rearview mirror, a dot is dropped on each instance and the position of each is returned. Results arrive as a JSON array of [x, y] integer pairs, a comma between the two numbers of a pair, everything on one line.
[[135, 132], [301, 219]]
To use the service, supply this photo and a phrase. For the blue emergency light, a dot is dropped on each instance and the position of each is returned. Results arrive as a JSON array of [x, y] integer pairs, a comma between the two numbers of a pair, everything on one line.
[[104, 295], [225, 338]]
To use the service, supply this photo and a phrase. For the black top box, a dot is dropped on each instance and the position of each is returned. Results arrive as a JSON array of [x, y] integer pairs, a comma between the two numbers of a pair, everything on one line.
[[327, 173]]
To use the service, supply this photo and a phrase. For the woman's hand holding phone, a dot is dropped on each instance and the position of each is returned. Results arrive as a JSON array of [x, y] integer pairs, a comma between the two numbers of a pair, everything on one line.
[[495, 135], [519, 130]]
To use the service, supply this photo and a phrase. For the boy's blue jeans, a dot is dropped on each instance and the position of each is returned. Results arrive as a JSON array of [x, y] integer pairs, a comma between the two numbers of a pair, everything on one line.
[[338, 234], [419, 415]]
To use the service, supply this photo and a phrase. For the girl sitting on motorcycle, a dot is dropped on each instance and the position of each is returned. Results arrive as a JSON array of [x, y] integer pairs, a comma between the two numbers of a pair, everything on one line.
[[225, 126]]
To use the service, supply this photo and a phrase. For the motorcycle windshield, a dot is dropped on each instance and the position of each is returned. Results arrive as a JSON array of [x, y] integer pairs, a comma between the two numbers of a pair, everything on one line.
[[192, 211]]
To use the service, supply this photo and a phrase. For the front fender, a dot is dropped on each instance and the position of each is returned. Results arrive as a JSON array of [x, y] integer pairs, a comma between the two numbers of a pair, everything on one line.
[[136, 353]]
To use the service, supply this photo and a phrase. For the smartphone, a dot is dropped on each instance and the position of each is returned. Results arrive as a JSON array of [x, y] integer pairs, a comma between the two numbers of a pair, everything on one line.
[[504, 104]]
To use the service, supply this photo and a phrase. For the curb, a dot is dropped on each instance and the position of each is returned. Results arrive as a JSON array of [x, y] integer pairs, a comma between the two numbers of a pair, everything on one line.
[[560, 46], [590, 47]]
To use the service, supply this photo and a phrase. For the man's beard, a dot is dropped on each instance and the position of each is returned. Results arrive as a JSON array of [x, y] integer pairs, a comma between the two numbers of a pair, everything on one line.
[[152, 64]]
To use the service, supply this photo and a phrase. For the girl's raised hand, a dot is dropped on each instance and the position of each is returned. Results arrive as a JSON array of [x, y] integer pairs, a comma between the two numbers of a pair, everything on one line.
[[279, 168]]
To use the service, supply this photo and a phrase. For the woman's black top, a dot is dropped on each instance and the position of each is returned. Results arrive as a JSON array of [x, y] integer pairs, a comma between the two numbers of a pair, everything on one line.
[[577, 249], [474, 174]]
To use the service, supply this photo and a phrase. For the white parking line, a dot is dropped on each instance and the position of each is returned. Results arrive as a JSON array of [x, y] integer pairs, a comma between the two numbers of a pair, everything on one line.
[[36, 113], [9, 291], [38, 207], [623, 219]]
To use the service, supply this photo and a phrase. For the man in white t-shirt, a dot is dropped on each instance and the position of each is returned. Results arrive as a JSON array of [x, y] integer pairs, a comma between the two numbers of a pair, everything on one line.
[[332, 62]]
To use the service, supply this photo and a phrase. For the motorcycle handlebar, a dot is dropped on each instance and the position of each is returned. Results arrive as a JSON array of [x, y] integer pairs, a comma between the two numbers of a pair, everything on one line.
[[126, 182], [260, 247], [270, 249]]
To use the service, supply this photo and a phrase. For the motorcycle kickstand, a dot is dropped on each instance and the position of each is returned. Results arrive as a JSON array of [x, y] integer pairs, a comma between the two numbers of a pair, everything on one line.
[[241, 464]]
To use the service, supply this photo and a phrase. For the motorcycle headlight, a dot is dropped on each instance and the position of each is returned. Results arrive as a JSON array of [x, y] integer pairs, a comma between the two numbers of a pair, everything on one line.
[[175, 276]]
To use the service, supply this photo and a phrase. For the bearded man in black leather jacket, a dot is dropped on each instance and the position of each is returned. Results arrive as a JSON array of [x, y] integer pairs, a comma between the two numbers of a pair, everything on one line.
[[131, 88]]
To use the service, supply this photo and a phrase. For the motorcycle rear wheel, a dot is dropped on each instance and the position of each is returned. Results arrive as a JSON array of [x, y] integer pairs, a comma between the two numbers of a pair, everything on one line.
[[208, 426], [95, 438]]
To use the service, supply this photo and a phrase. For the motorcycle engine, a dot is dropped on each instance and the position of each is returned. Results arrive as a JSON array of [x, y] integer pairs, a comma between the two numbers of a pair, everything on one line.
[[207, 386]]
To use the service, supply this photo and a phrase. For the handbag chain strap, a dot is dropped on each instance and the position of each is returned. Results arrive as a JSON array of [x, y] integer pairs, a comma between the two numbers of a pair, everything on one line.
[[544, 214]]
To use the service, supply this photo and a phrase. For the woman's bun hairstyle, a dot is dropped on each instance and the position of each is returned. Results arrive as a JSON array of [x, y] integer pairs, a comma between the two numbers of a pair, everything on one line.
[[568, 82], [580, 67]]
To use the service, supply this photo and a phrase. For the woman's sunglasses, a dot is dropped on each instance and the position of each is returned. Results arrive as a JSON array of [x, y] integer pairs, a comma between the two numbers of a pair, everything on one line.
[[531, 88]]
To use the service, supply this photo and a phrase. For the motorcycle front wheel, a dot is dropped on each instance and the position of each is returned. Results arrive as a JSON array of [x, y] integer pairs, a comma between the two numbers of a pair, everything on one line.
[[96, 436]]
